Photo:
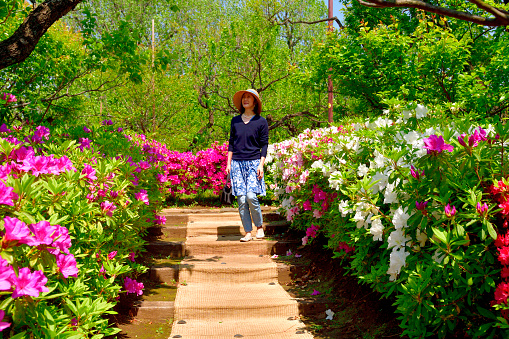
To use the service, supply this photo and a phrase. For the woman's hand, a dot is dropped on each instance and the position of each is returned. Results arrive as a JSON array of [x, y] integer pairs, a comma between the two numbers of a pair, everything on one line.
[[228, 169], [259, 172]]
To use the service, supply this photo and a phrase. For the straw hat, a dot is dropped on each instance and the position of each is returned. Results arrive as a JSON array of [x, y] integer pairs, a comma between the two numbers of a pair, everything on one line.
[[237, 99]]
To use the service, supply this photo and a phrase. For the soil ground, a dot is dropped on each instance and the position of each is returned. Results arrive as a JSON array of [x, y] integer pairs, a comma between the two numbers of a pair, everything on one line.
[[359, 312]]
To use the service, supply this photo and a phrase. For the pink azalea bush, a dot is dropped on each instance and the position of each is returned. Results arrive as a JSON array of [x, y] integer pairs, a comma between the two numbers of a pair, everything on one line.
[[184, 173], [405, 202], [71, 219]]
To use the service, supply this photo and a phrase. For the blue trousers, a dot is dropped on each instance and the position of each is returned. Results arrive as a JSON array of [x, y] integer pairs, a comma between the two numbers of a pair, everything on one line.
[[249, 207]]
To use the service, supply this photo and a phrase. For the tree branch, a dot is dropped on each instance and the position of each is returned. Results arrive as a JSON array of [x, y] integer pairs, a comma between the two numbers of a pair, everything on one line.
[[284, 120], [310, 22], [20, 45], [501, 17]]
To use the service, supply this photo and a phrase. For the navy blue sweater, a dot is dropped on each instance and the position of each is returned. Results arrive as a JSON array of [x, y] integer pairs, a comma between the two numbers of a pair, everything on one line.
[[249, 141]]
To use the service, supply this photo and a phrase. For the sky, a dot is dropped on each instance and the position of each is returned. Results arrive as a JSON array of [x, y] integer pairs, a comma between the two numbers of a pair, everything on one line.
[[336, 6]]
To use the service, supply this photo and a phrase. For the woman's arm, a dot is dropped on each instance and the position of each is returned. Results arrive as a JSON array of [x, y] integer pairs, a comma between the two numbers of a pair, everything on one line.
[[229, 162], [259, 171]]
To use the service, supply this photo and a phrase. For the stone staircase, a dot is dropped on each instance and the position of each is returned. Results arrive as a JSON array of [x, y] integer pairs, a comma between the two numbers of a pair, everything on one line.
[[226, 288]]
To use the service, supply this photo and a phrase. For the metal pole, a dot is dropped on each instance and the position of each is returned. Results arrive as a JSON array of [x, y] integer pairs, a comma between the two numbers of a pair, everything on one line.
[[153, 84], [329, 85]]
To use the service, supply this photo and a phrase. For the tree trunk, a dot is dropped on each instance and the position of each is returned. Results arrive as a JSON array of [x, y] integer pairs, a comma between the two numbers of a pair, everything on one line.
[[20, 45]]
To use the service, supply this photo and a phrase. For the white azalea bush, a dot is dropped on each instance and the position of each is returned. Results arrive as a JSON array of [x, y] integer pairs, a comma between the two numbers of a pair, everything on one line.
[[415, 206]]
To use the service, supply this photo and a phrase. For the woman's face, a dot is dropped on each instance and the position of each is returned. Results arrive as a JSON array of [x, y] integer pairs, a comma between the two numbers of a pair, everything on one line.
[[248, 101]]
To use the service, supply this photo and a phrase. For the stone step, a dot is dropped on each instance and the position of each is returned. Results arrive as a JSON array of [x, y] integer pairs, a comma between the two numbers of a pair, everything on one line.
[[167, 231], [270, 328], [287, 273], [313, 308], [173, 249], [227, 244], [154, 311], [168, 275], [229, 269], [239, 301], [230, 244], [216, 227], [176, 220], [276, 227]]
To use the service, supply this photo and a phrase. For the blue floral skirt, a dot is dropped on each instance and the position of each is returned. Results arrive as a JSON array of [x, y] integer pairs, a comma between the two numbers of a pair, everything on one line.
[[243, 178]]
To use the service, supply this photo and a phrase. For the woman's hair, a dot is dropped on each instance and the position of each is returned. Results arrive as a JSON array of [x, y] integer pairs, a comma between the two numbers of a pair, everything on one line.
[[255, 109]]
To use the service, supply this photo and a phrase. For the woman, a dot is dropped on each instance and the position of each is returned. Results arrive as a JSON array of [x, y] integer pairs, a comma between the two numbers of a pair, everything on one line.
[[249, 138]]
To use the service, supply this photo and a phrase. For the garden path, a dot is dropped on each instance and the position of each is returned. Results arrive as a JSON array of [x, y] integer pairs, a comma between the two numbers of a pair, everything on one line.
[[230, 289]]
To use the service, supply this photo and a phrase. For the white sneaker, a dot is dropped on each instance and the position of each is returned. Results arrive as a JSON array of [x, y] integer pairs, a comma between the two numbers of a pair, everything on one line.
[[260, 234], [247, 238]]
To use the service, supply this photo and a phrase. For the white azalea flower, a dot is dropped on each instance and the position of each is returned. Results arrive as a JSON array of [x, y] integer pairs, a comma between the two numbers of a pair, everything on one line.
[[411, 137], [420, 111], [335, 180], [330, 314], [407, 115], [390, 196], [317, 164], [384, 180], [397, 261], [438, 256], [377, 229], [362, 170], [398, 239], [379, 159], [400, 218], [343, 208], [421, 237]]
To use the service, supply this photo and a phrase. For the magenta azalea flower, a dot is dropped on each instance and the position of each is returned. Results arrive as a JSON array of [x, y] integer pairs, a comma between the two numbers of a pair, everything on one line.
[[415, 173], [16, 230], [22, 153], [131, 256], [436, 144], [89, 172], [7, 195], [315, 292], [43, 232], [84, 143], [61, 240], [6, 273], [143, 165], [142, 196], [450, 210], [28, 283], [4, 129], [38, 165], [162, 178], [160, 220], [86, 129], [108, 207], [42, 131], [3, 324], [64, 163], [107, 122], [112, 255], [67, 265], [307, 205], [421, 205], [9, 97], [311, 231], [481, 209], [5, 170], [132, 286]]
